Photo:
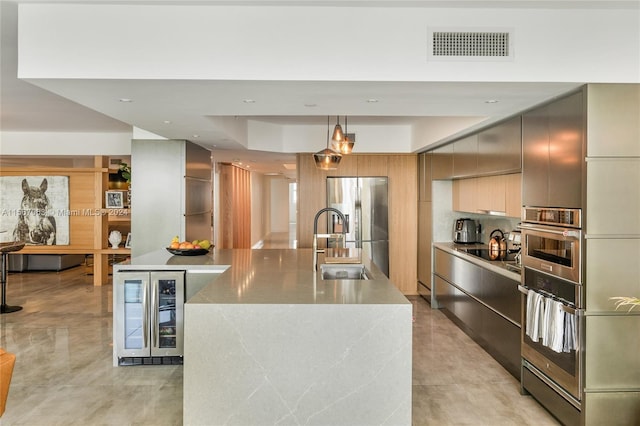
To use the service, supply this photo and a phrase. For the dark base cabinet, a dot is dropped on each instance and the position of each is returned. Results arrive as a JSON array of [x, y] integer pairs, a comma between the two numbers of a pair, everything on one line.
[[499, 337], [484, 304]]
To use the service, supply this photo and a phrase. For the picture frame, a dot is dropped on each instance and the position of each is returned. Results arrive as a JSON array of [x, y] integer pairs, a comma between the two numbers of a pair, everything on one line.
[[114, 199], [127, 244]]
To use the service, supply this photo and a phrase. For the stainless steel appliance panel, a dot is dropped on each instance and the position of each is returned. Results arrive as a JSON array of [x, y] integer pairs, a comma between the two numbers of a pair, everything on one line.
[[424, 242], [364, 201], [612, 408], [549, 395], [554, 250], [553, 153], [613, 191], [566, 151], [614, 269], [465, 156], [149, 314], [604, 335], [562, 368], [501, 293], [535, 157], [500, 147]]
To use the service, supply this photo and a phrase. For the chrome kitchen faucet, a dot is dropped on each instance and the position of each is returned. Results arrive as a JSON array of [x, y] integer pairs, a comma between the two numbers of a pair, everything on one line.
[[341, 236]]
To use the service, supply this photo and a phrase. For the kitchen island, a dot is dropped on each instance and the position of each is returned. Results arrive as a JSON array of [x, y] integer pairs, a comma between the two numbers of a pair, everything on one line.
[[268, 341]]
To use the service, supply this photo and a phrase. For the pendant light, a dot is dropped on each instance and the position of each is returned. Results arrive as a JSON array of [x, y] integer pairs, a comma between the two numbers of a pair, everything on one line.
[[347, 144], [327, 159], [338, 134]]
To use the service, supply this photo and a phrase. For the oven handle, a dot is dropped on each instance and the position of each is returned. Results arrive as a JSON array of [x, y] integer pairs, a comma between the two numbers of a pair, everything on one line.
[[551, 230], [567, 309]]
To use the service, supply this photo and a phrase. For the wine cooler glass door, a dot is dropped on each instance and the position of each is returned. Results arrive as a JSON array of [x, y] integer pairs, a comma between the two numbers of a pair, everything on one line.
[[132, 321], [167, 314]]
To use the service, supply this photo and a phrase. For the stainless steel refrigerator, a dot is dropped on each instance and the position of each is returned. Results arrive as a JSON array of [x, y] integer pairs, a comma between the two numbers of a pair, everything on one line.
[[364, 201]]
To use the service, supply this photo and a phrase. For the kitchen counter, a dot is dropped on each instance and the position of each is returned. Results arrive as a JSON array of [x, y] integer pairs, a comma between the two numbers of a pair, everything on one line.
[[497, 266], [269, 342], [270, 276]]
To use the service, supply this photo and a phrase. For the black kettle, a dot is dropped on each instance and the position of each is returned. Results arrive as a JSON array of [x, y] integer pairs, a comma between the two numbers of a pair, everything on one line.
[[497, 245]]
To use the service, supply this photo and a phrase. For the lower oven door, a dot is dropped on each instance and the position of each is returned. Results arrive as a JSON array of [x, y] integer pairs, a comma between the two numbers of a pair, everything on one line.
[[560, 367]]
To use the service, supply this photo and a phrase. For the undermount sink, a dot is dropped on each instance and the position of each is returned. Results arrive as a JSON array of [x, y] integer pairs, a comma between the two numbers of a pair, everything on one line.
[[343, 272]]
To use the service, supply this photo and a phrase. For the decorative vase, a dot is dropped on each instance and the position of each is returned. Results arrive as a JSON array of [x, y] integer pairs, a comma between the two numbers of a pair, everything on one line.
[[115, 237]]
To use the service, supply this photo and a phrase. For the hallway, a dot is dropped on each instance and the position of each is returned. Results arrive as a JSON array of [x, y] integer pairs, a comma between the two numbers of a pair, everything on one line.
[[64, 374]]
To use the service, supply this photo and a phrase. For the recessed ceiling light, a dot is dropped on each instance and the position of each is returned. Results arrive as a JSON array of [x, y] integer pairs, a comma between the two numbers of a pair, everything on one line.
[[372, 101], [491, 101], [249, 101], [125, 100], [310, 105], [196, 136], [167, 122]]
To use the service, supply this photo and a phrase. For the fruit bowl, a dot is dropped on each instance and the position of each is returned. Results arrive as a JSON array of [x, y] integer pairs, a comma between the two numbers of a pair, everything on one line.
[[188, 252]]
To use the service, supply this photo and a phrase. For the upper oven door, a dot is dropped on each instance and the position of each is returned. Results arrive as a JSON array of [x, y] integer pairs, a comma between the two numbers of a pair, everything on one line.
[[553, 250]]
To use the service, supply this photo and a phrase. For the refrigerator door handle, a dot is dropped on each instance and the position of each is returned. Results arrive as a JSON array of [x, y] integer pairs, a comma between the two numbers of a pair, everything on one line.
[[154, 314], [145, 316]]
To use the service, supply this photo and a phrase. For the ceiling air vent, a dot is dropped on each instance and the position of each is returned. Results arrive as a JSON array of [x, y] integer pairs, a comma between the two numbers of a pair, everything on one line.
[[470, 45]]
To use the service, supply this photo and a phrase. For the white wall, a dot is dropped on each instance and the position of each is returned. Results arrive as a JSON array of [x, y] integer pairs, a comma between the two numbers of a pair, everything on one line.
[[222, 42], [259, 207], [65, 143], [279, 204]]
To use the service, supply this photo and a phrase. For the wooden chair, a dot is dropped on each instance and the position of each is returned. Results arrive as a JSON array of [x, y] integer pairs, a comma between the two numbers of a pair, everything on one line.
[[7, 361]]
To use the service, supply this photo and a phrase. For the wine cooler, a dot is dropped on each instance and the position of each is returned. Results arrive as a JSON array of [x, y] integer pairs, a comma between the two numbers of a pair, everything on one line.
[[148, 317]]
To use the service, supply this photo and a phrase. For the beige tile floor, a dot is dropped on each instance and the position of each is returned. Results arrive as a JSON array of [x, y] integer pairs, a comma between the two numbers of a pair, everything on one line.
[[64, 373]]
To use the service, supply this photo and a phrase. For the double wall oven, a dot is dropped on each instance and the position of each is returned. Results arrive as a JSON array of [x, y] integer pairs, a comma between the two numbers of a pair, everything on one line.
[[552, 309]]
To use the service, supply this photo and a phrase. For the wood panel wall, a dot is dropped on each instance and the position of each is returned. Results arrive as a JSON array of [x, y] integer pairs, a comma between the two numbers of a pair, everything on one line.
[[88, 220], [235, 207], [403, 206]]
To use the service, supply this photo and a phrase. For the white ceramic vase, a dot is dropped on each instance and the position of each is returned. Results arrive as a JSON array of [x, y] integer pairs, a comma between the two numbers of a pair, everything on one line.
[[115, 237]]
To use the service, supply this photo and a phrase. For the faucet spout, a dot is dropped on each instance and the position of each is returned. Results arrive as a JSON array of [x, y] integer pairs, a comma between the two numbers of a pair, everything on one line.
[[326, 209], [315, 233]]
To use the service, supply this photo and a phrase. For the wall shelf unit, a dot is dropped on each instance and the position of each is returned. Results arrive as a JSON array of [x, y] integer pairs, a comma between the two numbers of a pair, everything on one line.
[[89, 222]]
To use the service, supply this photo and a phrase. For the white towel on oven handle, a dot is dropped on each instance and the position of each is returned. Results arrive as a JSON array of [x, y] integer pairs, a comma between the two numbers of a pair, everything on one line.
[[570, 333], [535, 314], [556, 326]]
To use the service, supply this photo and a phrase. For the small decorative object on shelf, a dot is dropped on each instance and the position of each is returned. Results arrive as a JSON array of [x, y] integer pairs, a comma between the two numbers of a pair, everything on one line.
[[114, 199], [115, 237], [127, 243]]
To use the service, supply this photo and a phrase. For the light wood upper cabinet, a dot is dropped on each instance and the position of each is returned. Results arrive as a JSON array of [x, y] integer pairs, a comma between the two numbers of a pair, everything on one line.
[[513, 201], [496, 194], [464, 195], [491, 194]]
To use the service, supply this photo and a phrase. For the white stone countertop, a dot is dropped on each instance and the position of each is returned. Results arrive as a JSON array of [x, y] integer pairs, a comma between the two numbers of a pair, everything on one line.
[[496, 266], [269, 276]]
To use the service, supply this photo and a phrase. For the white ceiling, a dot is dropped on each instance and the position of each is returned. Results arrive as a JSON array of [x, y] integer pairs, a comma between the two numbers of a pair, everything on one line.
[[194, 107]]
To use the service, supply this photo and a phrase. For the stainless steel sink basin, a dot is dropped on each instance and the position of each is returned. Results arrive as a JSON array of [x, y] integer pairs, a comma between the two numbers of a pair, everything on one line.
[[343, 272]]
